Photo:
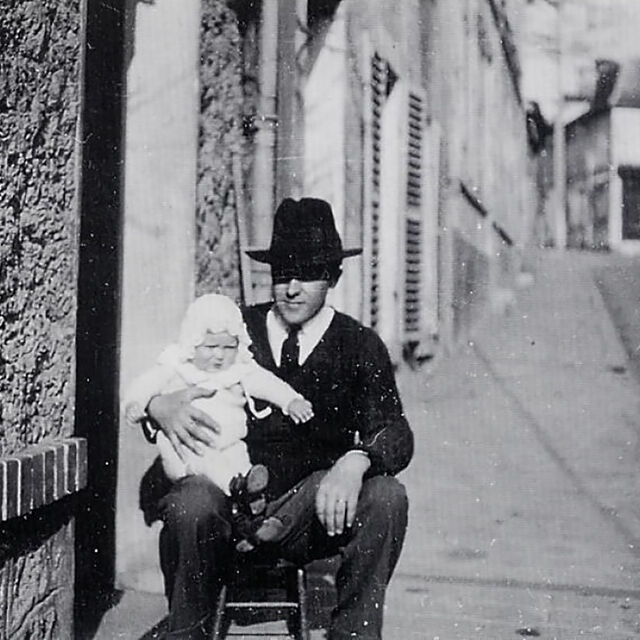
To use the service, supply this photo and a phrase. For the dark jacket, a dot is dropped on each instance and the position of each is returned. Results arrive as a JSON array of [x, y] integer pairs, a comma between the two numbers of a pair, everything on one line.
[[350, 382]]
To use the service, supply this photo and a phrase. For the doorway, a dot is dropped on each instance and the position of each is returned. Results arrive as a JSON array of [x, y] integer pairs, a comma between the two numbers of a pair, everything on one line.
[[630, 202]]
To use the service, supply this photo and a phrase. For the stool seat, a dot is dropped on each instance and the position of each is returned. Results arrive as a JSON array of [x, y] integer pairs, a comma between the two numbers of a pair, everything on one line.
[[260, 582]]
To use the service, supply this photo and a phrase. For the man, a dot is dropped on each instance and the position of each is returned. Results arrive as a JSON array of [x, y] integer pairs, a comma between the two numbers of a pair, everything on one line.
[[331, 479]]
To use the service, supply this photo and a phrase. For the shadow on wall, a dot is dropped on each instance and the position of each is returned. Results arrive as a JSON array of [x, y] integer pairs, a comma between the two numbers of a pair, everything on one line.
[[130, 29], [108, 28], [470, 286], [619, 285]]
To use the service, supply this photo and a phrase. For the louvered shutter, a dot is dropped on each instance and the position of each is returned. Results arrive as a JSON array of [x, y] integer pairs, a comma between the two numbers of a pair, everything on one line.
[[397, 196], [382, 79], [378, 96], [413, 240]]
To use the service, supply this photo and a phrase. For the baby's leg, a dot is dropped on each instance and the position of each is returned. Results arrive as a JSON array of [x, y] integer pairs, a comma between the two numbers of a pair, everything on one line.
[[237, 456], [215, 465]]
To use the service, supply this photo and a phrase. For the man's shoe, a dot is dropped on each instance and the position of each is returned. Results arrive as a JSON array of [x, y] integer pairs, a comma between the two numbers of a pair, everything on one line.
[[257, 531]]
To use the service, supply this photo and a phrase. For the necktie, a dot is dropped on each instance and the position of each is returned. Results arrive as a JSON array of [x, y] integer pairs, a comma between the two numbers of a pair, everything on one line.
[[290, 351]]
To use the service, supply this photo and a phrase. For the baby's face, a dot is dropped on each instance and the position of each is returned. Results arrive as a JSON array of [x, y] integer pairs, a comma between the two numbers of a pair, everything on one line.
[[217, 352]]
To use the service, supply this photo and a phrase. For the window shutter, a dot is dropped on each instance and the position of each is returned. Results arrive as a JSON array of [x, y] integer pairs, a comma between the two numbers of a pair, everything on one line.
[[377, 101], [397, 273], [382, 81], [413, 231]]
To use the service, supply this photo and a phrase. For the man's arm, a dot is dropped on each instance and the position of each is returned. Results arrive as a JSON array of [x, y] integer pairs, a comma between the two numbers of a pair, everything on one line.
[[385, 444], [384, 432]]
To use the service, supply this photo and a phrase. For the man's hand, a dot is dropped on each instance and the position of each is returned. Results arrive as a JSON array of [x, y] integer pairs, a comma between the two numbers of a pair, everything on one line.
[[338, 493], [182, 423]]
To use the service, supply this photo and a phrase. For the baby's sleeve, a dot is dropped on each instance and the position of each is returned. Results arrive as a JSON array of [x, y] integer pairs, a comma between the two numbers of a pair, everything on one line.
[[149, 384], [264, 385]]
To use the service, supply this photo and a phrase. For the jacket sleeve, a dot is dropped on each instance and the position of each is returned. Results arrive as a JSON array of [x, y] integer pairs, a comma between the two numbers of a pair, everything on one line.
[[384, 433], [264, 385]]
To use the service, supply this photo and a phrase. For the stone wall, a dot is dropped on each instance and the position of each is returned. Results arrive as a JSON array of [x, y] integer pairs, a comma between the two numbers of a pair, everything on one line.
[[40, 93], [39, 101], [221, 107]]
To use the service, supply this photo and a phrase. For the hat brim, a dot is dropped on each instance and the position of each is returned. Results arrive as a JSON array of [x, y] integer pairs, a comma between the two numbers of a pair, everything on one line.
[[264, 255]]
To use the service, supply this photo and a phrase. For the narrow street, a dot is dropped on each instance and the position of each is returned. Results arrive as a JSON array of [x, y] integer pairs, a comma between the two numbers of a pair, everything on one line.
[[525, 516], [524, 510]]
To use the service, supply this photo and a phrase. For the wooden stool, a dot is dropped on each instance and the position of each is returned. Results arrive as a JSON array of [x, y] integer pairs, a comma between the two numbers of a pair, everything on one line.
[[264, 584]]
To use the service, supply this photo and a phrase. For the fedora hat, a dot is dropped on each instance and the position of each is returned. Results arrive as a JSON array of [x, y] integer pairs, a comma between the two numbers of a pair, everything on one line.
[[304, 233]]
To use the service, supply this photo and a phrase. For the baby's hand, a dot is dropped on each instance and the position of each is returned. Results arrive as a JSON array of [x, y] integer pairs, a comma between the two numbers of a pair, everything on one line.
[[133, 412], [300, 410]]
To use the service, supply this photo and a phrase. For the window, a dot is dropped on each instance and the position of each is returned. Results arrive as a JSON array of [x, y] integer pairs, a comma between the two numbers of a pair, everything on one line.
[[630, 202]]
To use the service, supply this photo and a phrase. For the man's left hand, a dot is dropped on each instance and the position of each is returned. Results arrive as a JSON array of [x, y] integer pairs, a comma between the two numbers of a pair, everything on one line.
[[337, 497]]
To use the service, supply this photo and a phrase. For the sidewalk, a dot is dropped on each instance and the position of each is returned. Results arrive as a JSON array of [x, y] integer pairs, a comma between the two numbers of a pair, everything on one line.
[[524, 520], [524, 486]]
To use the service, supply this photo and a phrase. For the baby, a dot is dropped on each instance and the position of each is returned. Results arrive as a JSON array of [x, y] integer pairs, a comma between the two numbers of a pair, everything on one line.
[[213, 353]]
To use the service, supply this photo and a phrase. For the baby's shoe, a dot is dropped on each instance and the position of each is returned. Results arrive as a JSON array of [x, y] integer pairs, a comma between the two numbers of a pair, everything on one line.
[[248, 491]]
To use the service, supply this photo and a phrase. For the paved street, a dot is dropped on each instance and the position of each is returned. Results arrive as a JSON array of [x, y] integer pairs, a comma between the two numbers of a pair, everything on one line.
[[524, 509]]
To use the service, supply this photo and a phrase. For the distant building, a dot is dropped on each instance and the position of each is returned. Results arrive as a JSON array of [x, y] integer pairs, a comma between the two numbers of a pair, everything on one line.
[[572, 34], [603, 163]]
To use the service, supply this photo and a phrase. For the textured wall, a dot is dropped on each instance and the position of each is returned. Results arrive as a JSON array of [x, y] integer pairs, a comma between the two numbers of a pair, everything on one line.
[[39, 44], [39, 96], [36, 578], [217, 261]]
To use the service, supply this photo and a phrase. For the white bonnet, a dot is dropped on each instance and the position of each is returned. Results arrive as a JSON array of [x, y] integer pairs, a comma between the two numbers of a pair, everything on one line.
[[214, 313]]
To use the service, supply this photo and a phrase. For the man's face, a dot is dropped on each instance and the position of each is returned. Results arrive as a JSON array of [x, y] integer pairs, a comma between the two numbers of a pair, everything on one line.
[[299, 297]]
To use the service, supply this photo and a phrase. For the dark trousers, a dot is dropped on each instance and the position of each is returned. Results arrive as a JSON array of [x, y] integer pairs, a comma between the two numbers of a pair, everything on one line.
[[195, 548]]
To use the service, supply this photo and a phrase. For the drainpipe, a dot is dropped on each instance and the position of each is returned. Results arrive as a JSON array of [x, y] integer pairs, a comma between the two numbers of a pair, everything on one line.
[[290, 144], [266, 124], [559, 148]]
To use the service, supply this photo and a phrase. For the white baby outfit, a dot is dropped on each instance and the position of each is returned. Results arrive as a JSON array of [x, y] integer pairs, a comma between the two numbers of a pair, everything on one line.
[[235, 388]]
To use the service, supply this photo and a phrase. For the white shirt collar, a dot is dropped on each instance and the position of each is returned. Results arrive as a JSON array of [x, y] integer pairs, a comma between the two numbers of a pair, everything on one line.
[[309, 335]]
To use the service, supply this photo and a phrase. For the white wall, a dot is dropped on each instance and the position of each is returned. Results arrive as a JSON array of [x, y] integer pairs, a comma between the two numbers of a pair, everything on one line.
[[625, 136], [392, 218], [324, 140], [158, 255]]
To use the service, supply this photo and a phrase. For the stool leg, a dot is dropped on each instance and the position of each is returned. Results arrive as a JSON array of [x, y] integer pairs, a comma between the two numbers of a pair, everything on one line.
[[217, 633], [303, 629]]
